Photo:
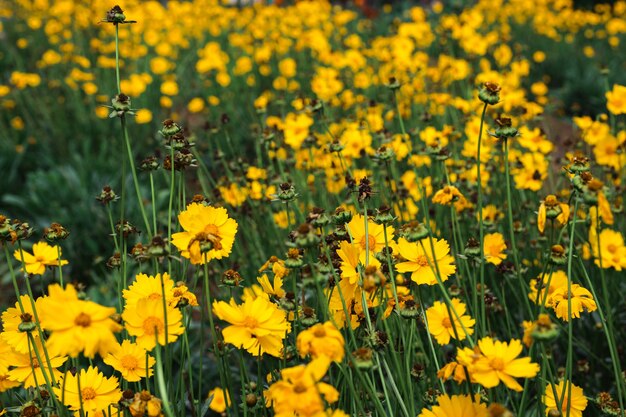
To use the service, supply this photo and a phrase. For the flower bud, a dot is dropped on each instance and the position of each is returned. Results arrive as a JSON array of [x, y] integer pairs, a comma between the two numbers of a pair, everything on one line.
[[489, 93]]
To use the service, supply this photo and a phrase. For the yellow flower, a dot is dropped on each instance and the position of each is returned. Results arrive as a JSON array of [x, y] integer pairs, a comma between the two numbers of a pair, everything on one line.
[[296, 129], [220, 400], [576, 402], [556, 280], [375, 240], [148, 287], [146, 321], [423, 262], [443, 325], [457, 406], [12, 318], [143, 116], [616, 99], [75, 325], [612, 252], [351, 256], [274, 288], [257, 325], [494, 247], [321, 340], [300, 392], [145, 404], [96, 391], [26, 368], [196, 105], [494, 361], [579, 298], [43, 255], [208, 233], [169, 88], [447, 195], [551, 208], [130, 360]]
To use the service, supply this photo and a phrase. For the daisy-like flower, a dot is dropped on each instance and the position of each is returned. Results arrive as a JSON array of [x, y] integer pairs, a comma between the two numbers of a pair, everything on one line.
[[447, 195], [11, 320], [557, 279], [75, 325], [321, 340], [208, 233], [375, 239], [351, 256], [220, 400], [257, 325], [579, 297], [550, 208], [442, 325], [26, 368], [616, 99], [274, 287], [130, 360], [43, 255], [494, 247], [96, 392], [300, 391], [146, 321], [423, 263], [148, 286], [576, 403], [612, 251], [457, 406], [145, 404], [494, 361]]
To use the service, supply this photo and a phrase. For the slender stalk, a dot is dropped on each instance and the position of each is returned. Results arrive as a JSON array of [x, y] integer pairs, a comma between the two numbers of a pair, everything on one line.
[[483, 314]]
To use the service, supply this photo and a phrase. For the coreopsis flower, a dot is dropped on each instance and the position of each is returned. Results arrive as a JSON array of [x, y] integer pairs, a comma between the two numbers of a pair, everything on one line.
[[447, 195], [43, 255], [208, 233], [76, 325], [148, 286], [146, 320], [445, 326], [493, 248], [423, 262], [277, 265], [274, 288], [145, 404], [454, 370], [351, 256], [576, 401], [96, 392], [129, 359], [300, 391], [616, 99], [5, 362], [611, 253], [321, 340], [257, 325], [26, 368], [457, 406], [12, 319], [493, 361], [544, 286], [375, 239], [550, 208], [220, 399], [579, 298], [296, 129]]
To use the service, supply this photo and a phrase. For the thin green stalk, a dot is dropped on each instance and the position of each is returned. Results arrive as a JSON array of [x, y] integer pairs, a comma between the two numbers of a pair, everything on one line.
[[483, 313]]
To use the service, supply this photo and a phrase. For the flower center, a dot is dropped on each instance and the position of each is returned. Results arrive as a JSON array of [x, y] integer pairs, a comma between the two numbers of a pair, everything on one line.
[[446, 323], [88, 393], [154, 296], [35, 362], [497, 364], [153, 324], [422, 260], [320, 332], [612, 248], [251, 322], [371, 242], [83, 320], [299, 389], [129, 362]]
